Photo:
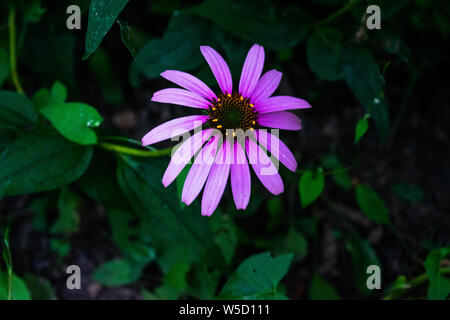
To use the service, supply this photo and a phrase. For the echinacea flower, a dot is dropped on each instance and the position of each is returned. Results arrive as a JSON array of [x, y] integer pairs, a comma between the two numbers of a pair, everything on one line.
[[250, 109]]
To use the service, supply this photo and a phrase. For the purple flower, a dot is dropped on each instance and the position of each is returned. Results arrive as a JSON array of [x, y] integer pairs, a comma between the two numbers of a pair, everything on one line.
[[250, 109]]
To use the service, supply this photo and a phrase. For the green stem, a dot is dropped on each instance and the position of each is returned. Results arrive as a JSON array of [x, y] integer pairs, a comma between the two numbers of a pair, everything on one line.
[[12, 49], [135, 152], [413, 283], [337, 14]]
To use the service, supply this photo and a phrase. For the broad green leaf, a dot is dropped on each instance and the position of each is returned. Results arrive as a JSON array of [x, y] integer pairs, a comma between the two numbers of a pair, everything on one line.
[[363, 77], [68, 220], [116, 273], [361, 128], [74, 120], [408, 192], [320, 289], [363, 255], [19, 290], [323, 52], [7, 135], [311, 186], [178, 49], [40, 288], [41, 98], [16, 109], [176, 277], [256, 21], [102, 14], [159, 208], [340, 175], [371, 204], [41, 160], [439, 288], [257, 278], [225, 234]]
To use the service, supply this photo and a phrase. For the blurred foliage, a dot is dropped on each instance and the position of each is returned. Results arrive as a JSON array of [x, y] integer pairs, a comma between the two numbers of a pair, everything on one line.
[[53, 147]]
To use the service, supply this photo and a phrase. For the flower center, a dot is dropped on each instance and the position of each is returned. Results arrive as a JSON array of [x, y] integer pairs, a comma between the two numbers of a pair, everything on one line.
[[232, 111]]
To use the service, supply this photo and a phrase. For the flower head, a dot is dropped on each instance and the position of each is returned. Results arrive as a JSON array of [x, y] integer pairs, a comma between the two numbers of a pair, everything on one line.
[[229, 135]]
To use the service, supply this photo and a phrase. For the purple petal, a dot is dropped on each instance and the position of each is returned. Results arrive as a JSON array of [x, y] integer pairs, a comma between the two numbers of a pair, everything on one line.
[[199, 171], [181, 97], [217, 181], [277, 148], [240, 178], [219, 68], [280, 120], [251, 71], [281, 103], [173, 128], [183, 155], [264, 168], [266, 86], [189, 82]]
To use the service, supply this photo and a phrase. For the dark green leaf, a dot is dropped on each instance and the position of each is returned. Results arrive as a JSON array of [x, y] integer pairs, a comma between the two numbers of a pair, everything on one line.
[[74, 120], [340, 175], [439, 288], [41, 160], [320, 289], [371, 204], [58, 93], [256, 22], [311, 186], [363, 256], [4, 65], [179, 48], [116, 273], [16, 109], [408, 192], [361, 128], [40, 288], [126, 37], [367, 84], [167, 223], [324, 54], [257, 278], [68, 220], [102, 14], [61, 247]]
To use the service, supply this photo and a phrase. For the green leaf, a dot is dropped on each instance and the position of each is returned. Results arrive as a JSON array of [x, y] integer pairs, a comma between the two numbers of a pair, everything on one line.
[[311, 186], [320, 289], [408, 192], [225, 234], [41, 98], [19, 290], [102, 14], [323, 52], [371, 204], [363, 255], [74, 120], [178, 49], [68, 220], [340, 175], [16, 109], [126, 37], [116, 273], [61, 247], [257, 278], [361, 128], [294, 242], [159, 208], [58, 93], [439, 288], [363, 77], [41, 160], [176, 277], [256, 22], [40, 288]]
